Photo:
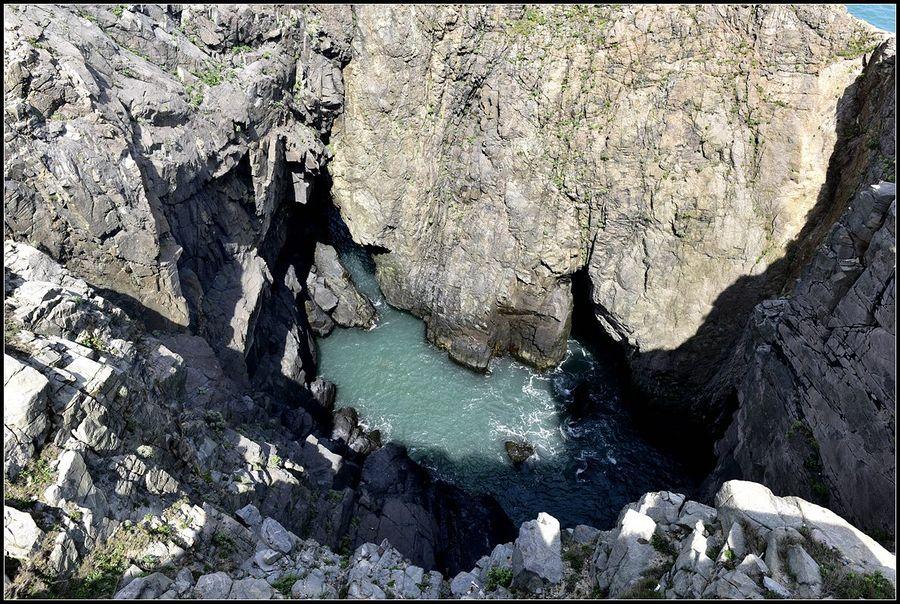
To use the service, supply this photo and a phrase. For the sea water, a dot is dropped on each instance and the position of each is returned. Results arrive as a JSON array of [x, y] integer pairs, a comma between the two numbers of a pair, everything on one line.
[[455, 421], [883, 16]]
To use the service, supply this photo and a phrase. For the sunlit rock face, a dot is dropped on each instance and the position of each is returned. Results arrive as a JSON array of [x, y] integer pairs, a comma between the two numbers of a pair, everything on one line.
[[672, 151]]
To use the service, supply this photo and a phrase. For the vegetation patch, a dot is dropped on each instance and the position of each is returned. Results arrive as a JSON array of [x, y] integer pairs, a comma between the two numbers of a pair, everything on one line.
[[33, 480], [94, 341], [870, 586], [285, 582], [576, 555], [498, 577], [813, 461], [663, 545]]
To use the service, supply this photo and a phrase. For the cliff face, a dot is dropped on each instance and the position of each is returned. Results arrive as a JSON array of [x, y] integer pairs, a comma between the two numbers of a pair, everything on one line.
[[816, 413], [816, 408], [168, 158], [689, 160], [164, 154], [671, 152]]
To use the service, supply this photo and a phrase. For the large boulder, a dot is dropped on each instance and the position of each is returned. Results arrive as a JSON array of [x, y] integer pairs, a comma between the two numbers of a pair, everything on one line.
[[25, 413], [537, 557], [21, 535], [760, 511], [622, 563]]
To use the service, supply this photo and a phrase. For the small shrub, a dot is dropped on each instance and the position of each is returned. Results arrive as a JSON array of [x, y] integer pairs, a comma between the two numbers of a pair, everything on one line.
[[871, 586], [575, 557], [93, 341], [285, 582], [662, 545], [498, 577]]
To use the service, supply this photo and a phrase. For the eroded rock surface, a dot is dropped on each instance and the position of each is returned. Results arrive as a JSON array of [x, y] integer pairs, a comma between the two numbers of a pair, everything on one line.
[[128, 454], [670, 151]]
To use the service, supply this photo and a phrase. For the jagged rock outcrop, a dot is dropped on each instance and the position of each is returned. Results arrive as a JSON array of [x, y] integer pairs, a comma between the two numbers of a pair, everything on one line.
[[332, 296], [816, 411], [109, 425], [670, 151], [167, 153], [752, 545]]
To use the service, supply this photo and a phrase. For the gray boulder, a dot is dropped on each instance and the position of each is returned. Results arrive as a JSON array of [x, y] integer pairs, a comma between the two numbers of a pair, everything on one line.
[[21, 534], [537, 554]]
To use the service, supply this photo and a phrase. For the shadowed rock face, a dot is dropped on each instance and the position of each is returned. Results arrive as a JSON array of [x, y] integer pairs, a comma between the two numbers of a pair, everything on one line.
[[815, 394], [816, 411], [165, 154]]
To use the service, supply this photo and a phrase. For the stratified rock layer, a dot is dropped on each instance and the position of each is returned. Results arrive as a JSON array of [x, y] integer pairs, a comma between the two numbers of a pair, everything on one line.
[[816, 411]]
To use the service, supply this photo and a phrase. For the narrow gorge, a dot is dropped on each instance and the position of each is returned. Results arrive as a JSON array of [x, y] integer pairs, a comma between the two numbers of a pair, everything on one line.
[[411, 301]]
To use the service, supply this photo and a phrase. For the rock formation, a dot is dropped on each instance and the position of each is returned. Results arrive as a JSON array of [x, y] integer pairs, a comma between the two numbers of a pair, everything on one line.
[[816, 408], [105, 424], [492, 152], [167, 266], [816, 412]]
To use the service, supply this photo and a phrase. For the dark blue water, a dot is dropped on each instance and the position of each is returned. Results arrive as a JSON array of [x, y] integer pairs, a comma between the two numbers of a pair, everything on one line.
[[883, 16]]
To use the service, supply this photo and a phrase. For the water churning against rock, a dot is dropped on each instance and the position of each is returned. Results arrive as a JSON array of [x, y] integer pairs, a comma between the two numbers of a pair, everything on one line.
[[456, 421]]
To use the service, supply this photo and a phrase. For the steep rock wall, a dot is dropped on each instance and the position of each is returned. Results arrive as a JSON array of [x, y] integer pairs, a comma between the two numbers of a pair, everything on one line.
[[491, 152], [815, 395], [166, 154]]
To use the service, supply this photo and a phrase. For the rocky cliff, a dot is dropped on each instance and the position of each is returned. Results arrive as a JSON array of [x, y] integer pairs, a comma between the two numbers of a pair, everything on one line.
[[105, 423], [487, 154], [816, 412], [816, 407], [167, 267]]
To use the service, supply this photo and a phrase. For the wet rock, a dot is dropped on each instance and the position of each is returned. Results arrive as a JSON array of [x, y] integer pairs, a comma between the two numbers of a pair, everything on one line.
[[346, 421], [518, 451], [324, 392]]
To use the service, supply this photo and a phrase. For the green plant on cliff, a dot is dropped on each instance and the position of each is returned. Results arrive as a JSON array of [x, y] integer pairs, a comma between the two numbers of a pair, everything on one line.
[[861, 43], [94, 341], [285, 582], [662, 545], [498, 577], [870, 586], [813, 461]]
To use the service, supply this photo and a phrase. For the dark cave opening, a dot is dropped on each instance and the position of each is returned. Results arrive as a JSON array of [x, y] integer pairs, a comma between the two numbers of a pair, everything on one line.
[[662, 428]]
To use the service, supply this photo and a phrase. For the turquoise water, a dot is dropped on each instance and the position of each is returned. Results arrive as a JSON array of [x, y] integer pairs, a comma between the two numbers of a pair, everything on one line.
[[883, 16], [455, 421]]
